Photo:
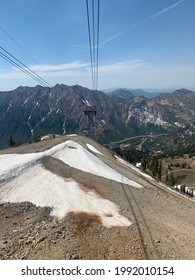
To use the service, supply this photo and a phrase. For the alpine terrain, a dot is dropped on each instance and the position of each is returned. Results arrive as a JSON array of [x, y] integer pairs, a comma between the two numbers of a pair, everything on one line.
[[71, 198]]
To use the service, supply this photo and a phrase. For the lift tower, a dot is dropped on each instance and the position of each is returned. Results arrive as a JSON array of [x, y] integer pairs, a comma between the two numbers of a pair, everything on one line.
[[90, 112]]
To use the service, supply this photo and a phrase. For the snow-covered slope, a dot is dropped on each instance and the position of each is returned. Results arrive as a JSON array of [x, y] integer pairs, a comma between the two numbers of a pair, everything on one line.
[[78, 157], [23, 178], [44, 188]]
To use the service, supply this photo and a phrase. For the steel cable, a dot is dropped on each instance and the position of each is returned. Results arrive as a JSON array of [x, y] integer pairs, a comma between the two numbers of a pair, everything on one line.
[[22, 66], [93, 33]]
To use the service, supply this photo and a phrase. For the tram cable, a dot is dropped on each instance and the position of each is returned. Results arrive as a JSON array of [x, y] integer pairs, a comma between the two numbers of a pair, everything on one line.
[[93, 20], [21, 66]]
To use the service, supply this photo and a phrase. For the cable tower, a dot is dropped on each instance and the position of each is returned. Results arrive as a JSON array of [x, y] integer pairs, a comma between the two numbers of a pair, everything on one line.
[[90, 112]]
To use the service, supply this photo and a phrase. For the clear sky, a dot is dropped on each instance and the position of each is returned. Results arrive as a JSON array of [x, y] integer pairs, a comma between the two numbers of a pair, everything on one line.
[[143, 43]]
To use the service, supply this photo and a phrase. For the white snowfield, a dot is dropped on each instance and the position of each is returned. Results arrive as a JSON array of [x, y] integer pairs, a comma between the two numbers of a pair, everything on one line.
[[44, 188], [93, 149], [78, 157], [24, 179]]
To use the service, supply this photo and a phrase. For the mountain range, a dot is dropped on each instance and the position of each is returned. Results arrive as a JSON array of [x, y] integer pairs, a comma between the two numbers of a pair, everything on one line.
[[149, 93], [27, 113]]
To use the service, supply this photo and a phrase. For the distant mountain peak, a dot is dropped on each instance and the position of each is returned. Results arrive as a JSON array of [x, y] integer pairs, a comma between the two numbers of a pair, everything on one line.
[[122, 93], [183, 91]]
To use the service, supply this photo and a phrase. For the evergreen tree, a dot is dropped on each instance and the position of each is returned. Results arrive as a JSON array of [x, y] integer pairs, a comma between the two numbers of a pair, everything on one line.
[[143, 163], [154, 166], [166, 180], [11, 141], [159, 170]]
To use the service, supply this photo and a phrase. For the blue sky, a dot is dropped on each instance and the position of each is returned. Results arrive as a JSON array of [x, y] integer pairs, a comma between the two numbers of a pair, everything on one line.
[[143, 43]]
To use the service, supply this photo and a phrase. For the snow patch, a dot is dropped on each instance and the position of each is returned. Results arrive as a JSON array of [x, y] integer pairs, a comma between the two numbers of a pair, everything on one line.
[[86, 102], [25, 101], [44, 188], [93, 149], [13, 164], [10, 105], [82, 159]]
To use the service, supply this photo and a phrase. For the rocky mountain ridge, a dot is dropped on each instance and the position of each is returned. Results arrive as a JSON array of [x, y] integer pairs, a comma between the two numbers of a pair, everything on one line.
[[26, 113]]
